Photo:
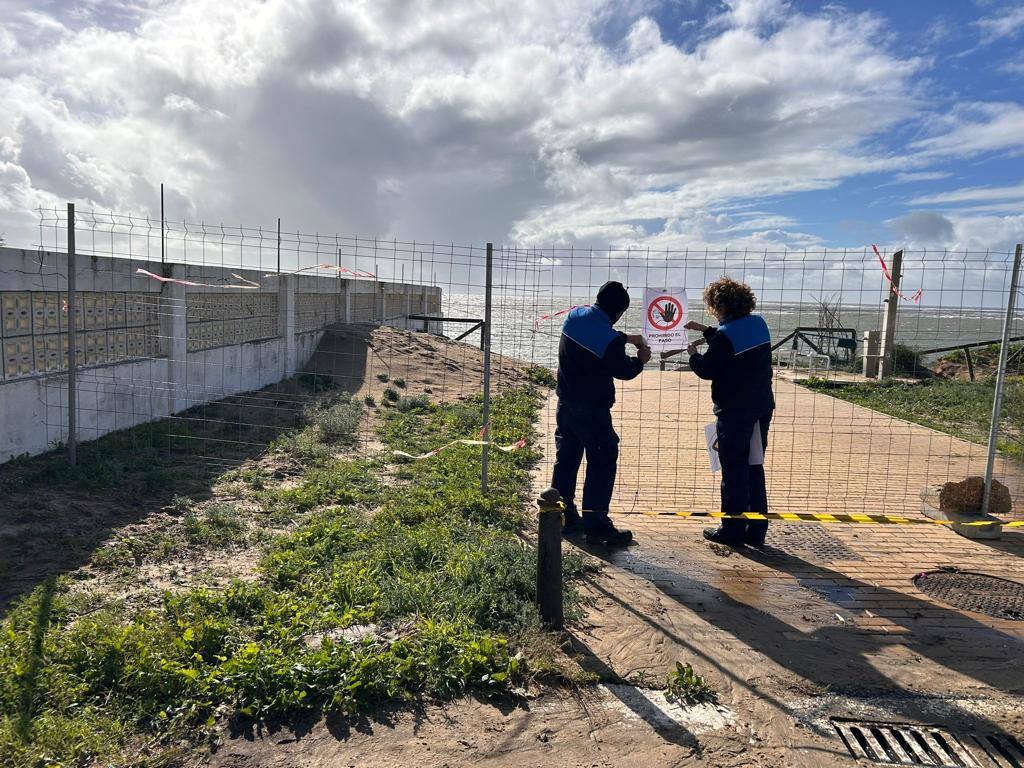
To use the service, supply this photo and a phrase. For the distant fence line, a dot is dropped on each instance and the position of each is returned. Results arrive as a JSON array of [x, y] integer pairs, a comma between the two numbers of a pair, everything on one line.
[[233, 309]]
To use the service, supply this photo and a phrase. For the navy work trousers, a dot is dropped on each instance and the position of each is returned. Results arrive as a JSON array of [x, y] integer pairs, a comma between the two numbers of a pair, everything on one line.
[[743, 484], [586, 429]]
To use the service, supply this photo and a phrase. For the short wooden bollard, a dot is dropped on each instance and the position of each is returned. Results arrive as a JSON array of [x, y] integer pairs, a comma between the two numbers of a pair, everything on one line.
[[549, 559]]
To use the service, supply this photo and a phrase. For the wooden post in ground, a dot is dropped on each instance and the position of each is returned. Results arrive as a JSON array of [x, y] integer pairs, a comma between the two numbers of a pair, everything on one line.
[[549, 559], [892, 305]]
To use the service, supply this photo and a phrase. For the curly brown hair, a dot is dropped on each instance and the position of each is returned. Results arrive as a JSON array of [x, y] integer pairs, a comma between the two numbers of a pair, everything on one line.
[[729, 299]]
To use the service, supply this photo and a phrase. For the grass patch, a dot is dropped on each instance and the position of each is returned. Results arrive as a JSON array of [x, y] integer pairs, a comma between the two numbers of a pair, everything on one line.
[[215, 527], [959, 408], [340, 422], [541, 376], [134, 551], [432, 573]]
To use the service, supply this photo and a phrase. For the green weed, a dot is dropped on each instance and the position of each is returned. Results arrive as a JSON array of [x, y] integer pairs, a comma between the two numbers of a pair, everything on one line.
[[216, 526], [685, 686], [541, 376]]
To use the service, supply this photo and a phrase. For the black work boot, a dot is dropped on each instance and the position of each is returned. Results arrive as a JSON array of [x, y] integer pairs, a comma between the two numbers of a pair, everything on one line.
[[719, 536], [572, 524], [756, 534], [610, 537]]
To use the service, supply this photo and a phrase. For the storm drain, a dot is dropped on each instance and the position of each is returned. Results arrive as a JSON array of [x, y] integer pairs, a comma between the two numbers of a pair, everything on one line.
[[978, 592], [906, 744], [809, 539]]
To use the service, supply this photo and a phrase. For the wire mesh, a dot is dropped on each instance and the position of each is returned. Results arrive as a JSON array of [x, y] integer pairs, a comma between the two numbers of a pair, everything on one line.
[[275, 337]]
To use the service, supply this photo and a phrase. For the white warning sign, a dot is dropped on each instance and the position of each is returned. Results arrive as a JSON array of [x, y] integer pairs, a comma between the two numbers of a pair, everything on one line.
[[664, 318]]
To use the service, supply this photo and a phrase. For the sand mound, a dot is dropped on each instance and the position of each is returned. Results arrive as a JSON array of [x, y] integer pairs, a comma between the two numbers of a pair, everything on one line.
[[363, 359]]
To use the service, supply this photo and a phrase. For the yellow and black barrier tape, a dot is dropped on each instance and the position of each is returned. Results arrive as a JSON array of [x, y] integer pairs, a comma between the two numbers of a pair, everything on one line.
[[828, 517]]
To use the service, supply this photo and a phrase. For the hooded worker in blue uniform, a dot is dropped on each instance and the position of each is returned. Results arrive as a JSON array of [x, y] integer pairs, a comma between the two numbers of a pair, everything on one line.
[[591, 355], [738, 362]]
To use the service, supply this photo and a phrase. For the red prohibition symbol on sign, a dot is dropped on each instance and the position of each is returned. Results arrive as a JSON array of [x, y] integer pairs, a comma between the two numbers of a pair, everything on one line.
[[664, 313]]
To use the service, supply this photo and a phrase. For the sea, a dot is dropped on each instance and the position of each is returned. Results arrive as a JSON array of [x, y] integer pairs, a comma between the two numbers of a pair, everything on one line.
[[528, 328]]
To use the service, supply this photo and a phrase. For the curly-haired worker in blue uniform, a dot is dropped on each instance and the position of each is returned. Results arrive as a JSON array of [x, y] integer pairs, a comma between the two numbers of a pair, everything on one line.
[[738, 362], [591, 354]]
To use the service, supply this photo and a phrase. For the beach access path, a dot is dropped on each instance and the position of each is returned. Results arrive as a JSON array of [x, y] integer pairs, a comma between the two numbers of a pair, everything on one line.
[[824, 455], [828, 621]]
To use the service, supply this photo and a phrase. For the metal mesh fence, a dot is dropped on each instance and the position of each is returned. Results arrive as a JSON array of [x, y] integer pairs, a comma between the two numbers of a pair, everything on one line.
[[234, 339]]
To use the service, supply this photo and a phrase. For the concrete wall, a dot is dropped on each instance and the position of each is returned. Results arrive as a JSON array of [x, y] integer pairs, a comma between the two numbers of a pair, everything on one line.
[[204, 343]]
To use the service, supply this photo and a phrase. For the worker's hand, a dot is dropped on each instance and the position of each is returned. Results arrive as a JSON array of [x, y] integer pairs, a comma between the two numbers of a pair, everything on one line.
[[644, 353], [692, 347], [693, 325], [636, 340]]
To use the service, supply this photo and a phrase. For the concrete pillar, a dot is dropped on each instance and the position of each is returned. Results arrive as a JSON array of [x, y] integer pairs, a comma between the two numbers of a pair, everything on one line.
[[174, 331], [286, 323]]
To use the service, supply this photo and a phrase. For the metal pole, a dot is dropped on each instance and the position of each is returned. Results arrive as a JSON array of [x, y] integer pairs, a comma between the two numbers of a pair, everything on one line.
[[997, 402], [887, 360], [163, 235], [486, 337], [72, 342], [279, 245]]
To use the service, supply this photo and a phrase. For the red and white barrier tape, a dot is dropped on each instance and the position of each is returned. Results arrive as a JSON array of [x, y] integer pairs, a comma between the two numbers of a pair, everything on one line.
[[245, 284], [559, 313], [332, 268], [503, 448], [892, 286]]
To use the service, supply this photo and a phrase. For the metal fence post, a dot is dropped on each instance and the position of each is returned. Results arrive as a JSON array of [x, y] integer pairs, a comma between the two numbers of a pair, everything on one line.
[[997, 401], [279, 245], [486, 337], [72, 343], [163, 228]]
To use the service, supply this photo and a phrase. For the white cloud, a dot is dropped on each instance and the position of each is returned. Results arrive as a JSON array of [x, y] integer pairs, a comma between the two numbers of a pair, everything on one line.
[[914, 176], [457, 120], [972, 195], [975, 128], [1007, 23]]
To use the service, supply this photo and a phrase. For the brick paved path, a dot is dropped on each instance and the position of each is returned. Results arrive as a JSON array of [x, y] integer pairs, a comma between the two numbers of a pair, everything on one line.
[[825, 455], [828, 621]]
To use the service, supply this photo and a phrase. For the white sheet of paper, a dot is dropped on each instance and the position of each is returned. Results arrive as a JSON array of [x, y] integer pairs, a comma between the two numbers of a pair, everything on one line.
[[711, 436], [754, 457]]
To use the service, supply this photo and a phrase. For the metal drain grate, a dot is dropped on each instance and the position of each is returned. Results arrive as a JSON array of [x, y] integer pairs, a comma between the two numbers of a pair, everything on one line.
[[810, 539], [978, 592], [906, 744]]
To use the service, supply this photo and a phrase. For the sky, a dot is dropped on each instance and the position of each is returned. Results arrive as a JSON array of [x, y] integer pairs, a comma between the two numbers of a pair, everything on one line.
[[758, 124]]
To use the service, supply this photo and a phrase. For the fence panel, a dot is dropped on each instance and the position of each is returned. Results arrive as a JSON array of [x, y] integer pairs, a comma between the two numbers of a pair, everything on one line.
[[245, 339]]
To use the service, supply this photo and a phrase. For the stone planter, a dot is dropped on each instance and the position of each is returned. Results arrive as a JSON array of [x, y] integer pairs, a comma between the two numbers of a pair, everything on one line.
[[971, 525]]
